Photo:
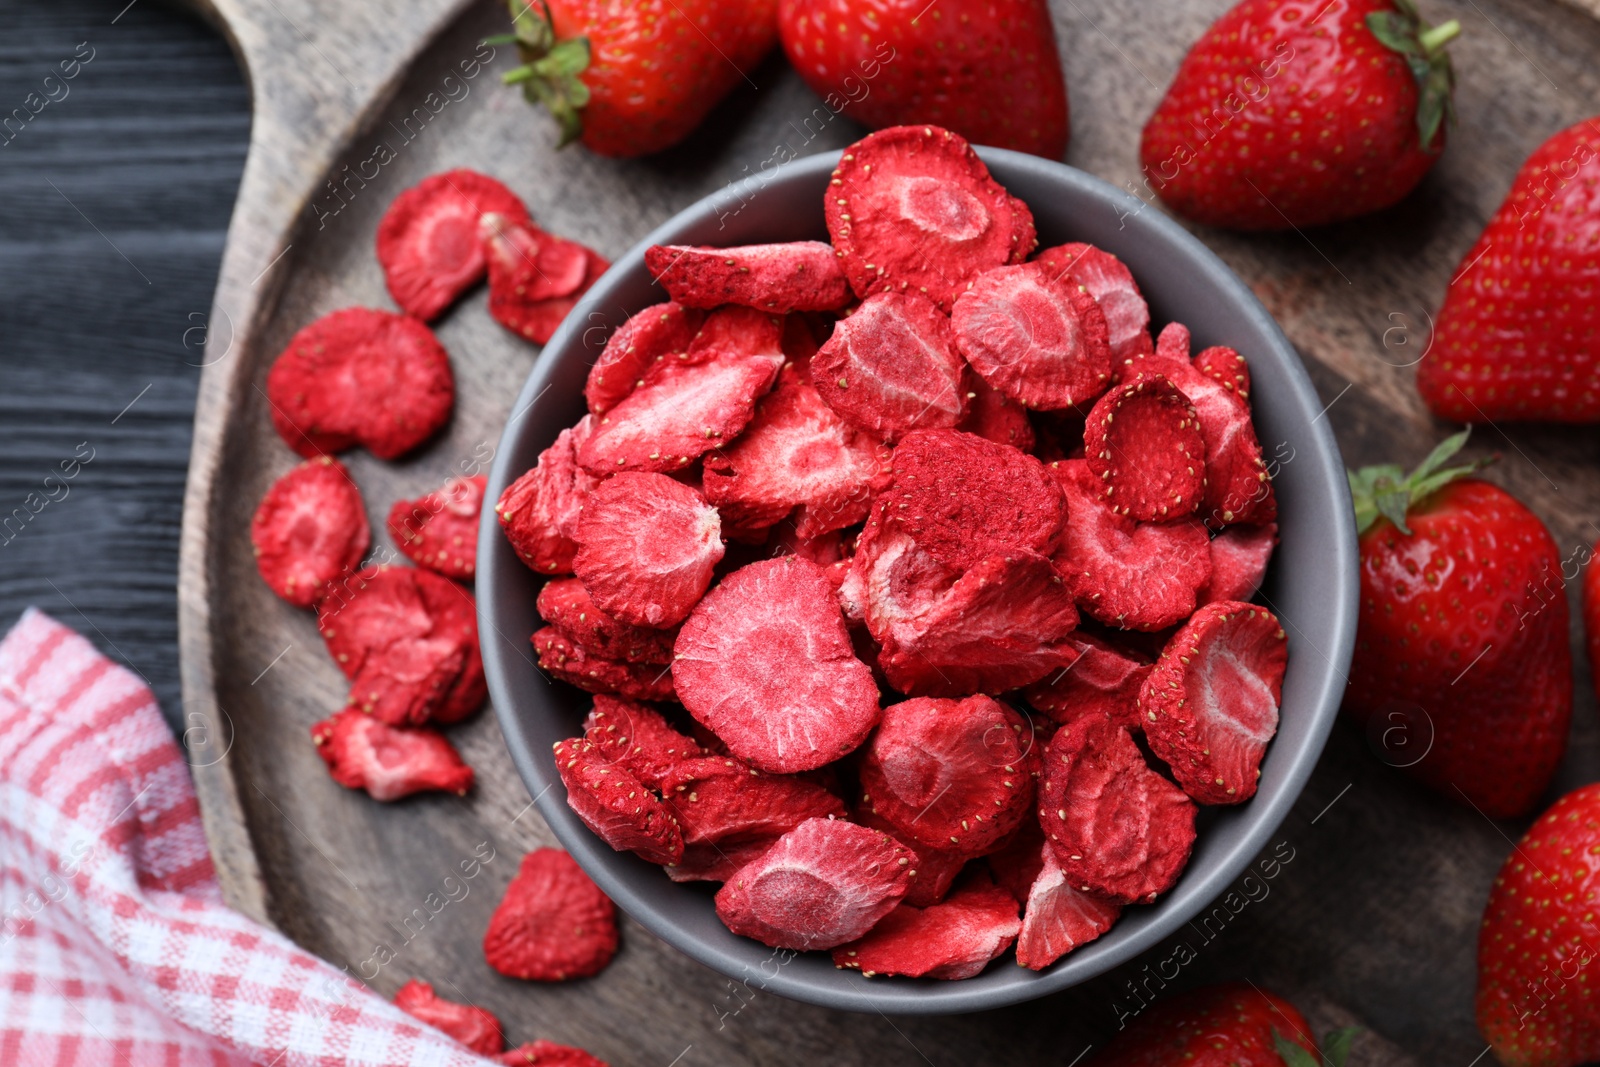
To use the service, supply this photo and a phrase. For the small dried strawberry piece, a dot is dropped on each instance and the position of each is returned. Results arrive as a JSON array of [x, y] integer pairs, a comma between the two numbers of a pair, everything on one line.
[[1228, 367], [965, 499], [639, 738], [1057, 917], [679, 414], [955, 775], [310, 528], [937, 869], [1108, 280], [1238, 488], [734, 332], [913, 209], [765, 662], [428, 239], [659, 334], [389, 763], [539, 511], [542, 1053], [1118, 829], [1143, 444], [647, 547], [892, 582], [1016, 863], [553, 924], [1037, 338], [892, 367], [565, 604], [361, 377], [797, 459], [408, 641], [994, 416], [572, 663], [439, 530], [954, 939], [620, 809], [1210, 706], [1173, 342], [797, 276], [1239, 559], [474, 1027], [718, 861], [822, 884], [718, 799], [1103, 680], [1133, 575], [535, 278]]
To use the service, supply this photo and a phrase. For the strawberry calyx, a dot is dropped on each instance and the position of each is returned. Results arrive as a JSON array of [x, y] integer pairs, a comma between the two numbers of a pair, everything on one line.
[[550, 69], [1335, 1049], [1402, 30], [1387, 491]]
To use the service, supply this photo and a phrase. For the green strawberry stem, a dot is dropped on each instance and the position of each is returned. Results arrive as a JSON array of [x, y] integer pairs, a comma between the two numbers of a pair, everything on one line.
[[1335, 1049], [1387, 491], [550, 69], [1402, 30]]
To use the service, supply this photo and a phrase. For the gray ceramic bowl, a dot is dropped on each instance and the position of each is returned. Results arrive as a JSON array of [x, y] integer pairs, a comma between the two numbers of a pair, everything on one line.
[[1312, 585]]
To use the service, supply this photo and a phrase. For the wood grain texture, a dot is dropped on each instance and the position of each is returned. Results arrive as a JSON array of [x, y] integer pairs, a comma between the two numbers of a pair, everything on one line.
[[1373, 918]]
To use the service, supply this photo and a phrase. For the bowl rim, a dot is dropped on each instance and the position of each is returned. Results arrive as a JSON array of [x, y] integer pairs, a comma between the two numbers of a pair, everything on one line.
[[908, 996]]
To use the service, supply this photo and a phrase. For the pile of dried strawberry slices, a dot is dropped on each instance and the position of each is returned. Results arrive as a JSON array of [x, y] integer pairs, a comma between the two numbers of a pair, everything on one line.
[[911, 578]]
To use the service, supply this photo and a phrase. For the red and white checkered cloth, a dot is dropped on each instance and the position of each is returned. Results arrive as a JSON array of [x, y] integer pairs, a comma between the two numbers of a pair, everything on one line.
[[115, 946]]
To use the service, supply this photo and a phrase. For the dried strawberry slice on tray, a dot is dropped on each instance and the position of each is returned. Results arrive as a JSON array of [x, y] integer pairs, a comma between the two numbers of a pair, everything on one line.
[[954, 939], [539, 511], [474, 1027], [439, 530], [389, 763], [647, 547], [658, 334], [1210, 706], [428, 239], [553, 924], [565, 604], [1108, 280], [892, 367], [619, 808], [796, 276], [1143, 443], [361, 376], [592, 672], [913, 209], [543, 1053], [535, 278], [310, 528]]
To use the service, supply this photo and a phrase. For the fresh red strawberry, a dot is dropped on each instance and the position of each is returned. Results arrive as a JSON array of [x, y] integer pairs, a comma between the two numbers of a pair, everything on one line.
[[1462, 633], [1230, 1025], [1515, 338], [553, 922], [1537, 941], [631, 77], [471, 1025], [953, 939], [542, 1053], [389, 763], [987, 69], [439, 530], [1295, 113]]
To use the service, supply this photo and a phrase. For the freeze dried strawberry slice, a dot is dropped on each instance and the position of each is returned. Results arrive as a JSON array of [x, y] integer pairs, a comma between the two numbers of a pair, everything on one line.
[[765, 662], [310, 528], [408, 641], [1133, 575], [428, 239], [638, 737], [892, 367], [1228, 367], [1118, 828], [1211, 705], [994, 416], [964, 499], [535, 278], [822, 884], [553, 923], [647, 546], [1143, 444], [718, 798], [361, 377], [797, 276], [797, 459], [1173, 342], [1108, 280], [952, 940], [1238, 488], [937, 869], [955, 775], [892, 582], [913, 209], [539, 511], [620, 809], [736, 332], [439, 530], [679, 414], [593, 673], [1040, 340], [566, 605], [363, 753], [1016, 863], [658, 334], [718, 861], [1057, 918], [474, 1027], [542, 1053], [1239, 559], [1103, 680]]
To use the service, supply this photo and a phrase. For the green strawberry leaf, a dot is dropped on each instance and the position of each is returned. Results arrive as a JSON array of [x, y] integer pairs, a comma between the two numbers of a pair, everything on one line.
[[551, 68], [1402, 31], [1292, 1054], [1386, 490], [1336, 1045]]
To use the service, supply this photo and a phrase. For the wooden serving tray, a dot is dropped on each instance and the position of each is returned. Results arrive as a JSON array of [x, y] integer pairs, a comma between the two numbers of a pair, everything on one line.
[[1373, 916]]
